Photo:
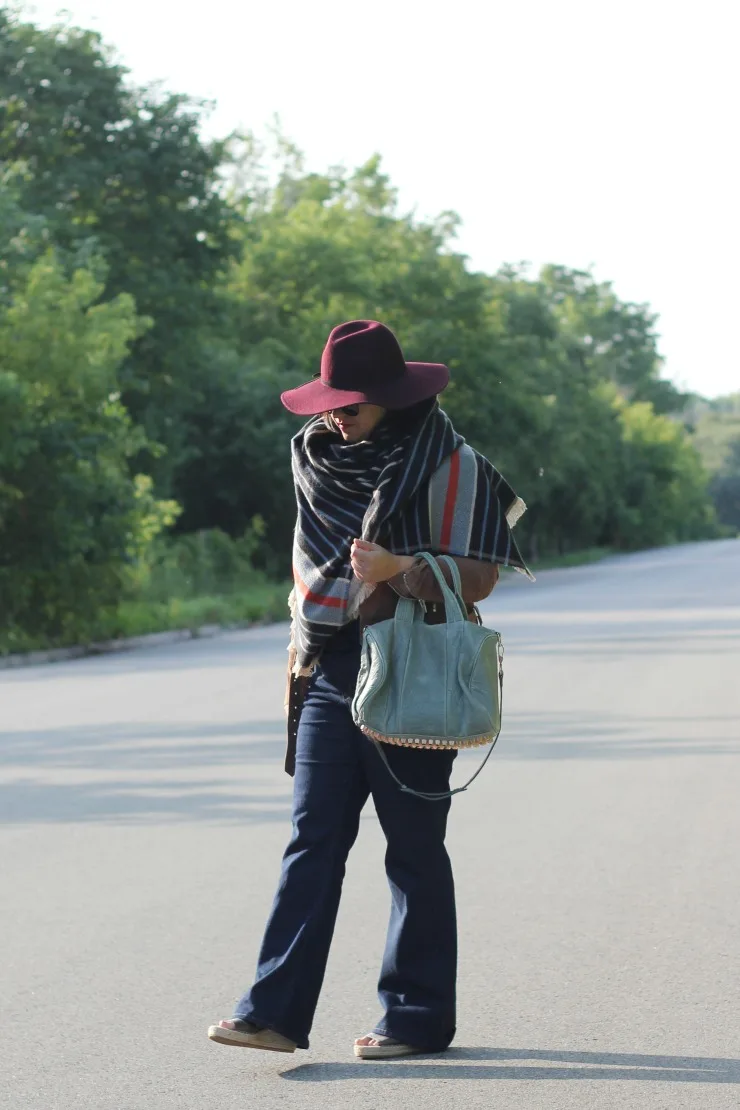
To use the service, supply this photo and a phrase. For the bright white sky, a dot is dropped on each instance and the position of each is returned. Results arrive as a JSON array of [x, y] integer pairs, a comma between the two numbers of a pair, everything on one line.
[[582, 132]]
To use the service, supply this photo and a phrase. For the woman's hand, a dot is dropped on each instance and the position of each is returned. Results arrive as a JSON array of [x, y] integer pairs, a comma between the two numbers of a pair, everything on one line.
[[371, 563]]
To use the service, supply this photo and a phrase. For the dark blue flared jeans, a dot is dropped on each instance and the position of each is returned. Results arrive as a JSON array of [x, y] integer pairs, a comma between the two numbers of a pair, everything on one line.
[[337, 768]]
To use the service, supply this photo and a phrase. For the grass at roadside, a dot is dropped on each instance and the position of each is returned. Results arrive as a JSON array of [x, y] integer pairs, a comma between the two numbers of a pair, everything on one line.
[[572, 559], [259, 603]]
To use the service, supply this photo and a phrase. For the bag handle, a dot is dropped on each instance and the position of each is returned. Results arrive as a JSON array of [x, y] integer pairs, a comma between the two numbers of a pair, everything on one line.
[[409, 609], [455, 572], [455, 607], [456, 582], [438, 796], [412, 609]]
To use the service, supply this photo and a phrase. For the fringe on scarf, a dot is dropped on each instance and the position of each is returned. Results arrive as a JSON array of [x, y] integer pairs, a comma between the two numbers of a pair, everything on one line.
[[297, 670], [515, 512]]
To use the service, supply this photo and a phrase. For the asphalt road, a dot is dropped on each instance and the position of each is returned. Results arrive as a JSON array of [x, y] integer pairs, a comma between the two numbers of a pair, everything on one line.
[[143, 813]]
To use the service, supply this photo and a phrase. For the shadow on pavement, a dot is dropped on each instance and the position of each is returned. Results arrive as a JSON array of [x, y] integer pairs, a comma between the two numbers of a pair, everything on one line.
[[612, 647], [146, 744], [472, 1063], [554, 735], [133, 802], [142, 772], [266, 645]]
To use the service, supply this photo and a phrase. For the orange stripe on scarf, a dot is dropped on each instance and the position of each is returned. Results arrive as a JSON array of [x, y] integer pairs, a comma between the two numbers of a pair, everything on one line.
[[450, 499], [318, 599]]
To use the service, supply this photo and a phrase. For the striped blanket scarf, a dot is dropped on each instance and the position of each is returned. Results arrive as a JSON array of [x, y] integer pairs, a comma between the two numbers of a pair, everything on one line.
[[423, 490]]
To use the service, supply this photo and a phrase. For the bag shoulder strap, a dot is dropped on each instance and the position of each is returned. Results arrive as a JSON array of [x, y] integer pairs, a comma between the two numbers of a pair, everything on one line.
[[438, 796]]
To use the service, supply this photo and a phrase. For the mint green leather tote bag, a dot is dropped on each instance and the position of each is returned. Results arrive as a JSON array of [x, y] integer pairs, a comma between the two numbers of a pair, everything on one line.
[[433, 686]]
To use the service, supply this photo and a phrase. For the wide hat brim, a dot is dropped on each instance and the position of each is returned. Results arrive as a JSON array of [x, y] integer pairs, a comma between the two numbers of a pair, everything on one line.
[[421, 380]]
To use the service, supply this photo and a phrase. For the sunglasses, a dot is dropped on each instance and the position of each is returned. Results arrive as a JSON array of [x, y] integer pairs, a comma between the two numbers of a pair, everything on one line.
[[348, 410]]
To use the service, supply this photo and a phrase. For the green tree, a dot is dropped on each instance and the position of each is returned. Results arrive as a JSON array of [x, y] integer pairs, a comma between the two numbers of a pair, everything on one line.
[[238, 466], [71, 517], [714, 426], [725, 487], [663, 484], [125, 171], [616, 338]]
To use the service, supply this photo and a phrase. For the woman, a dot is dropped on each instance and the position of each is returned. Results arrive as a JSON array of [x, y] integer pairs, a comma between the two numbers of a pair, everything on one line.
[[380, 474]]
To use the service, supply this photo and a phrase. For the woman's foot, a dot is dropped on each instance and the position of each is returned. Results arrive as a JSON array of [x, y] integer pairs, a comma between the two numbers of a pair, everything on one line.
[[373, 1046], [245, 1034]]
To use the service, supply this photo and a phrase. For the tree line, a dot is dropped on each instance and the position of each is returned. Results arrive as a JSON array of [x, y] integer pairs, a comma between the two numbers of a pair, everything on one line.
[[158, 290], [715, 431]]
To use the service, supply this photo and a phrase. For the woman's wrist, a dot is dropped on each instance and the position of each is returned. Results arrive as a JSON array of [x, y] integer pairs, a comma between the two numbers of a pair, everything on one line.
[[403, 563], [397, 580]]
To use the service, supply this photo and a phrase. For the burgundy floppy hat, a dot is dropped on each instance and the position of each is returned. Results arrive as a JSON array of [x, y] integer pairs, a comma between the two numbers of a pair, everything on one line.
[[363, 363]]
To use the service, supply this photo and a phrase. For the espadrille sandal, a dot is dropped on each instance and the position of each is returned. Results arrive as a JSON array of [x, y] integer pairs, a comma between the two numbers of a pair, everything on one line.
[[245, 1034], [385, 1048]]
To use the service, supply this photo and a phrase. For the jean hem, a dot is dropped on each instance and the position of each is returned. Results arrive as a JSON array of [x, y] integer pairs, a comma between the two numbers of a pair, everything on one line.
[[423, 1045], [274, 1026]]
